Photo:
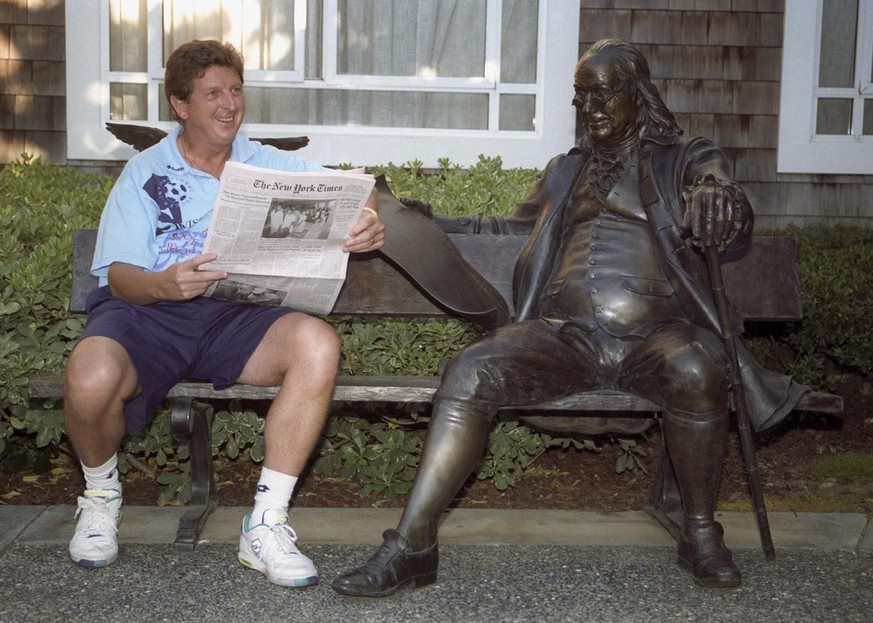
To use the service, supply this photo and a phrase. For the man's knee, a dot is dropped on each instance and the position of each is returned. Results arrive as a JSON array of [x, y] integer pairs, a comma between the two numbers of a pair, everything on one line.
[[98, 372], [312, 343], [325, 345], [99, 366]]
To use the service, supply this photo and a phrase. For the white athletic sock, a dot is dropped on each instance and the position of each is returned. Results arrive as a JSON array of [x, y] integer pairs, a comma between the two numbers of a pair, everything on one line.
[[274, 492], [103, 477]]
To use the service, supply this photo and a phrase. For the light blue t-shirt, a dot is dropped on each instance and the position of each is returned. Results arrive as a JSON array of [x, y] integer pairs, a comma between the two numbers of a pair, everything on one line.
[[159, 210]]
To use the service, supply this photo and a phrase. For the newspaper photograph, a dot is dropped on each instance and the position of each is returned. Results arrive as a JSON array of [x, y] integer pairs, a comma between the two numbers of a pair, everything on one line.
[[279, 235]]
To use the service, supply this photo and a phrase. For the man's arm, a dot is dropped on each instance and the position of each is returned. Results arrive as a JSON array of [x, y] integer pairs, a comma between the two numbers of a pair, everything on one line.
[[179, 282]]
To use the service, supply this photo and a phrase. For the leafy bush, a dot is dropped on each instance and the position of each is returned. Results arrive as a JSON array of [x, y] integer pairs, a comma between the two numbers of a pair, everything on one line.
[[485, 189], [836, 272], [836, 264], [42, 204], [844, 465], [386, 346], [381, 455]]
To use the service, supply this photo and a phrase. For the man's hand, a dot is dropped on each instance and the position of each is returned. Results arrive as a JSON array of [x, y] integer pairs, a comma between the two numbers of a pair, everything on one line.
[[715, 211], [179, 282], [184, 280], [368, 233]]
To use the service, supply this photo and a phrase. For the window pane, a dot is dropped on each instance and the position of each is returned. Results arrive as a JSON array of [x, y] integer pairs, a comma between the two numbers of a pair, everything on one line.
[[423, 38], [834, 116], [367, 108], [868, 118], [518, 42], [262, 30], [839, 24], [128, 40], [128, 101], [518, 112]]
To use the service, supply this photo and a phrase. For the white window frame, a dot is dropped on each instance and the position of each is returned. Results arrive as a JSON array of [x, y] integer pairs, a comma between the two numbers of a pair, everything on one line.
[[88, 81], [801, 150]]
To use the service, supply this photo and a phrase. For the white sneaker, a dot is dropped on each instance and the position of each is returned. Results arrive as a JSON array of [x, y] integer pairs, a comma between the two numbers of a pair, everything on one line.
[[271, 548], [95, 542]]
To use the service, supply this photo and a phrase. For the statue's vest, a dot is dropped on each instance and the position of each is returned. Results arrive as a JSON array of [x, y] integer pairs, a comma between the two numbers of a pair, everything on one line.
[[607, 273]]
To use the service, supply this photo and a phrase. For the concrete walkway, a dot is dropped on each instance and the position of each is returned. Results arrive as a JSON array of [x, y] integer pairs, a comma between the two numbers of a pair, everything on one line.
[[496, 565]]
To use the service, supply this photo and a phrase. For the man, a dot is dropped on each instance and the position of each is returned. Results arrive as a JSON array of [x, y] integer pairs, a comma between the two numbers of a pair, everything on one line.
[[611, 291], [148, 326]]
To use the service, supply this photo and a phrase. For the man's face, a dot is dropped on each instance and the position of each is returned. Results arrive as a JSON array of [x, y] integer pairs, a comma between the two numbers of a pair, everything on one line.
[[607, 106], [214, 111]]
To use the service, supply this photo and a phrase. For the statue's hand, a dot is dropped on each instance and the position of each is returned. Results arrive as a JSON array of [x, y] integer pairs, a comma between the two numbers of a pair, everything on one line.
[[715, 211]]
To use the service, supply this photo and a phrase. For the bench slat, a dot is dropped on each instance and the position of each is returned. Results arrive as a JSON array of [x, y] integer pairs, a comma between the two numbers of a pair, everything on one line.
[[408, 389]]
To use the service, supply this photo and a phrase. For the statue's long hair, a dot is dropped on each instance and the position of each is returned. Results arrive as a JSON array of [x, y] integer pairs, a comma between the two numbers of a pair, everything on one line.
[[653, 116]]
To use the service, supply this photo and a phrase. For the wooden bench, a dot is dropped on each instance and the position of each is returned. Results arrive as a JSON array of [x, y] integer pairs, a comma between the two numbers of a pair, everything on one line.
[[764, 286]]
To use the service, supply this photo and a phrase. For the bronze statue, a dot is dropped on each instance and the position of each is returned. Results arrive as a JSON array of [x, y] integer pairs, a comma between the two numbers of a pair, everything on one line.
[[611, 292]]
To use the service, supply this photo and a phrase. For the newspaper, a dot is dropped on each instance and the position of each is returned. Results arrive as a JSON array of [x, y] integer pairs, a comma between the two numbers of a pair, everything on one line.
[[279, 235]]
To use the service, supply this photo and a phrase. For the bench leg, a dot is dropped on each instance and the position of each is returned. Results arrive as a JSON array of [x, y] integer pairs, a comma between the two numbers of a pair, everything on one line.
[[192, 423], [665, 503]]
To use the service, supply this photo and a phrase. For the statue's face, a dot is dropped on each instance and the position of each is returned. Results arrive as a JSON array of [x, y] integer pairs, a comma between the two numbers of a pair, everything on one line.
[[607, 105]]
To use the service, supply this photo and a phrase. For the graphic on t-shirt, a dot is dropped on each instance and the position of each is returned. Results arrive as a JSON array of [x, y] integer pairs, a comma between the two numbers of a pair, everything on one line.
[[169, 195], [178, 246]]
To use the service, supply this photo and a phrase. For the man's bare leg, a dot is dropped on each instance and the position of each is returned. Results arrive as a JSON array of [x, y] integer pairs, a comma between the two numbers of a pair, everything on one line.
[[301, 354], [98, 380]]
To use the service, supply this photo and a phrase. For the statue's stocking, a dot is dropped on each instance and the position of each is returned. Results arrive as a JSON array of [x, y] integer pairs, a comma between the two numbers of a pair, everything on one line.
[[455, 440], [696, 446]]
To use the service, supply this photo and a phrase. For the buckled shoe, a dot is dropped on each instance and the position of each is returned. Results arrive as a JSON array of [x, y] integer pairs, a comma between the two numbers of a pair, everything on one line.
[[391, 568], [703, 554]]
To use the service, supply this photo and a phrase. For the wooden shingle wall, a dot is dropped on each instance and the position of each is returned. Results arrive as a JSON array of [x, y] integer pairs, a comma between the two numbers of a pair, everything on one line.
[[717, 64], [32, 80]]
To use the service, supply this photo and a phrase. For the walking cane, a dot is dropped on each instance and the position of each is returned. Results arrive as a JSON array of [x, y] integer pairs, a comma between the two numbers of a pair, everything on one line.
[[738, 395]]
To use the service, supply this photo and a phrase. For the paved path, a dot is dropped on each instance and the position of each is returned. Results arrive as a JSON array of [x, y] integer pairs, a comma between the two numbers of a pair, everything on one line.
[[496, 566]]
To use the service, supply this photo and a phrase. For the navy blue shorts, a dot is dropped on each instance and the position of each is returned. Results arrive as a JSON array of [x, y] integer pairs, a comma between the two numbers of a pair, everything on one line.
[[168, 341]]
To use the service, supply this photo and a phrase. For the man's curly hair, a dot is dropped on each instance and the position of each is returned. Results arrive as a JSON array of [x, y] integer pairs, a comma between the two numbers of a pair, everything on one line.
[[191, 60]]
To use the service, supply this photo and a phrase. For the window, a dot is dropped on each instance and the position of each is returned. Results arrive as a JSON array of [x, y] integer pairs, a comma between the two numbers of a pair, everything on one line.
[[369, 81], [826, 115]]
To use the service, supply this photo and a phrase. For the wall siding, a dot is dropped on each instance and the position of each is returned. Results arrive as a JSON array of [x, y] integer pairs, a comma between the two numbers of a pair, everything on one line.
[[716, 62], [32, 80]]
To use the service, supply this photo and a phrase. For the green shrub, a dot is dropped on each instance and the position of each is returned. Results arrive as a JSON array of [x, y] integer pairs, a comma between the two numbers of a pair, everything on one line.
[[386, 346], [836, 272], [485, 189], [41, 205], [836, 264], [381, 455], [844, 465]]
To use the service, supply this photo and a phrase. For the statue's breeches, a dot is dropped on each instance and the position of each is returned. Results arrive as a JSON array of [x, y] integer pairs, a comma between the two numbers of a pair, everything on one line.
[[678, 366]]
